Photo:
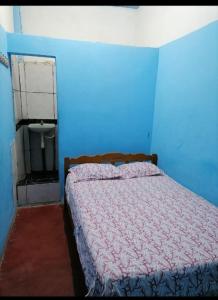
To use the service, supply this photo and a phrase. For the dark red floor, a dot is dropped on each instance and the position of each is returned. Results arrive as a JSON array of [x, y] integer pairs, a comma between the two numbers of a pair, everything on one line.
[[36, 260]]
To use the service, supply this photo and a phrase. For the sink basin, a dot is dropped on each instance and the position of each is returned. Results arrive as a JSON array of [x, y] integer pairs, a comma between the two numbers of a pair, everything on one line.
[[42, 129]]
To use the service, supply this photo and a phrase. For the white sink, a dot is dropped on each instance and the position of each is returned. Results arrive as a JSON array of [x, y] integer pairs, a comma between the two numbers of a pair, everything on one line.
[[41, 128]]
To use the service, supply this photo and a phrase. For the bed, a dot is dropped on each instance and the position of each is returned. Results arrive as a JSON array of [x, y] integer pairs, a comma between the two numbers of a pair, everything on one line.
[[144, 236]]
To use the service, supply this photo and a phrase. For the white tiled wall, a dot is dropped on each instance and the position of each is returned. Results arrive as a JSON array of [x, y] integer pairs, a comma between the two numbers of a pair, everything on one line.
[[54, 77], [55, 107], [22, 75], [38, 193], [15, 73], [34, 88], [47, 192], [34, 85], [40, 106], [39, 77], [17, 106], [24, 105]]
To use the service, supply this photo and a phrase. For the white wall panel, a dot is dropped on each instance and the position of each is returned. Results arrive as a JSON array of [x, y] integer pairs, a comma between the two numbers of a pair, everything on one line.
[[54, 79], [24, 105], [6, 18], [159, 25], [39, 77], [40, 105], [15, 73], [150, 26], [33, 58], [33, 76], [38, 193], [22, 76], [55, 107], [43, 193], [17, 106], [106, 24], [22, 195]]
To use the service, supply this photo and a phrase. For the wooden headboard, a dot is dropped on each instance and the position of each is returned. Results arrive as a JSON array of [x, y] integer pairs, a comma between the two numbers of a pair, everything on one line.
[[108, 158]]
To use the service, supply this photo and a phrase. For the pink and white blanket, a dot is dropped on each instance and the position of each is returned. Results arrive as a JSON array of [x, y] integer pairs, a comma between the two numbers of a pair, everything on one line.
[[146, 236]]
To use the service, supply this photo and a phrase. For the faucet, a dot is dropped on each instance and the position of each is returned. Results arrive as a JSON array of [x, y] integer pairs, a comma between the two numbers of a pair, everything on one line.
[[42, 122]]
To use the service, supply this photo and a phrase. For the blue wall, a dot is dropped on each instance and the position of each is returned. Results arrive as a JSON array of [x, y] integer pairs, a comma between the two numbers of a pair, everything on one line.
[[7, 205], [185, 128], [106, 103], [105, 94]]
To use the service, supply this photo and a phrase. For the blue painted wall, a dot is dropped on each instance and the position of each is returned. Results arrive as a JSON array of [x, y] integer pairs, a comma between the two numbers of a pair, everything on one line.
[[185, 128], [105, 94], [106, 103], [7, 205]]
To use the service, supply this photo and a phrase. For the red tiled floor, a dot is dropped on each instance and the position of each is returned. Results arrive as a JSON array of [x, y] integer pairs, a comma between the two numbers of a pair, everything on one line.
[[36, 260]]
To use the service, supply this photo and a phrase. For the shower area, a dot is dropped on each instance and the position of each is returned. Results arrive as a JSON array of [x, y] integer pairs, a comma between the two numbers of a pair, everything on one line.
[[35, 150]]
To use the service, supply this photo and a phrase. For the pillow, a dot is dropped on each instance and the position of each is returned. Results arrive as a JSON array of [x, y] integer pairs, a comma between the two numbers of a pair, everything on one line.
[[94, 171], [139, 169]]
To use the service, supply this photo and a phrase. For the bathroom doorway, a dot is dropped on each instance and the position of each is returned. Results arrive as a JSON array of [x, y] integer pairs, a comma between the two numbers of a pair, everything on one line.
[[35, 151]]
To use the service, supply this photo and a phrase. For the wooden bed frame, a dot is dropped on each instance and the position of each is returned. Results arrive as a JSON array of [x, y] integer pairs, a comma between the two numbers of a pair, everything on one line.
[[113, 158]]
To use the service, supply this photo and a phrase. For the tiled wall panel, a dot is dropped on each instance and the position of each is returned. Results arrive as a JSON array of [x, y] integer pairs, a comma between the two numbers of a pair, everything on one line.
[[40, 106], [39, 77], [34, 85]]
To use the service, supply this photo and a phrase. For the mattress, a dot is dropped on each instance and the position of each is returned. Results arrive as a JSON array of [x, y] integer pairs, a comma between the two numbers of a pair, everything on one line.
[[146, 236]]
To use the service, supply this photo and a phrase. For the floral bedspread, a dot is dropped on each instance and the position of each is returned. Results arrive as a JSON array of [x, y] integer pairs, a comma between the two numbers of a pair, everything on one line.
[[146, 236]]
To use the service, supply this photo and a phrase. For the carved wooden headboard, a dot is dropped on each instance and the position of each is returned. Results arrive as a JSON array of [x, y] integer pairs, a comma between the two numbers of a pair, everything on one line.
[[108, 158]]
